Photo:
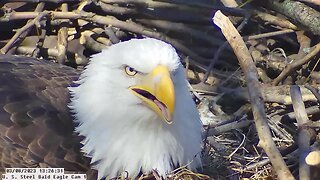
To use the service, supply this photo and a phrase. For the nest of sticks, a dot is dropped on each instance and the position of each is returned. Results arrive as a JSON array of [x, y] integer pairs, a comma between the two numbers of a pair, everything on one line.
[[258, 93]]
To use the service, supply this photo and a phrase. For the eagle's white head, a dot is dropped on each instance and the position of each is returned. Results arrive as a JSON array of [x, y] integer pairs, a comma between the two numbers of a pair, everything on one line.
[[135, 111]]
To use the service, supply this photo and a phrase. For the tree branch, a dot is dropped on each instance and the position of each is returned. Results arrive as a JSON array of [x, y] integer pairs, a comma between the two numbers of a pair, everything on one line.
[[248, 67]]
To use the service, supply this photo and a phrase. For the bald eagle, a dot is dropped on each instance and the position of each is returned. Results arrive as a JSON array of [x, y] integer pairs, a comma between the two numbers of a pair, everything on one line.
[[129, 111]]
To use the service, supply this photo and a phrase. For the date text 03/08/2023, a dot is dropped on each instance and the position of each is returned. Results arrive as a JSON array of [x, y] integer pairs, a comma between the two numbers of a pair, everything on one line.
[[40, 174]]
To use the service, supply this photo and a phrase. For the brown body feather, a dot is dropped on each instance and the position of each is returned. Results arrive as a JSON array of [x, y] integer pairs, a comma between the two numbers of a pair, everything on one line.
[[36, 127]]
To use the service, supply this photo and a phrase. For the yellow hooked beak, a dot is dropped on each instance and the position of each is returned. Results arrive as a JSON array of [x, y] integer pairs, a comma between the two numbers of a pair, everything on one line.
[[157, 91]]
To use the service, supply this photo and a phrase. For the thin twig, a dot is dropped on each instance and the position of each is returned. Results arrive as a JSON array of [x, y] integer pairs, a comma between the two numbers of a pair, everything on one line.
[[269, 34], [276, 20], [296, 64], [36, 20]]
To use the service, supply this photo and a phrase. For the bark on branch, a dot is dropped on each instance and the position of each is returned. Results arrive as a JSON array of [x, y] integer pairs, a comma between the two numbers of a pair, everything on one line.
[[301, 13]]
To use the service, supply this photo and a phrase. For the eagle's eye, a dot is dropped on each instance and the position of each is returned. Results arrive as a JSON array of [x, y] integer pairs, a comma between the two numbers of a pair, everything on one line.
[[130, 71]]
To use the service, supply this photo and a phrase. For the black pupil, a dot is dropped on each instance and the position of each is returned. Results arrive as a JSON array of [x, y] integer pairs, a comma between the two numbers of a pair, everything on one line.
[[131, 69]]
